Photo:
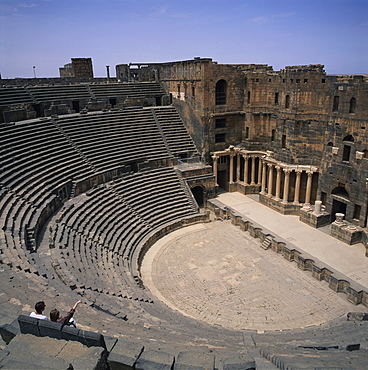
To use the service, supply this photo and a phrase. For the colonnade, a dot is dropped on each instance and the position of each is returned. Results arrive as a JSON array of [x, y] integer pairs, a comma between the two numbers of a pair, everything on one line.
[[262, 173], [268, 172], [247, 180]]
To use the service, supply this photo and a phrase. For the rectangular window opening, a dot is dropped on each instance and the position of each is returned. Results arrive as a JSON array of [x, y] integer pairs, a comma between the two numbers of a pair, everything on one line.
[[220, 138], [283, 141], [357, 209], [220, 123]]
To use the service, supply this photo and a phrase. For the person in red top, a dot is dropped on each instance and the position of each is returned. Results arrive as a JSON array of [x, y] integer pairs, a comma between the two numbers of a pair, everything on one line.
[[65, 320]]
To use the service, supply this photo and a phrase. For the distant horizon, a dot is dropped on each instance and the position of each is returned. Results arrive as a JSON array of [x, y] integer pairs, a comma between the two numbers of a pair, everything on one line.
[[47, 34]]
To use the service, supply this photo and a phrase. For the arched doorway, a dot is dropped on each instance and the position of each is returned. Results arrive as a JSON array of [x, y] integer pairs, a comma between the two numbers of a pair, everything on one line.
[[198, 195], [340, 200]]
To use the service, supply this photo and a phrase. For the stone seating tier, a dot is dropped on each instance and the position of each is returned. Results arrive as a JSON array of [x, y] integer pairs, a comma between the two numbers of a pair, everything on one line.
[[10, 96], [175, 133], [94, 234]]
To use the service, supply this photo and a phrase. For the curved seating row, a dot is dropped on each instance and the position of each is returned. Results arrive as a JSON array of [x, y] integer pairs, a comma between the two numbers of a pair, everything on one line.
[[39, 94], [115, 138], [177, 138], [41, 161], [133, 90], [96, 233]]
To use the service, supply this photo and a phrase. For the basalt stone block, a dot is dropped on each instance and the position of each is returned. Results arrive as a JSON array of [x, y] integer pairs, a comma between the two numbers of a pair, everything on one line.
[[154, 360], [194, 361], [91, 339], [50, 329], [70, 333], [124, 355], [31, 351], [28, 325], [8, 332], [82, 357], [239, 362]]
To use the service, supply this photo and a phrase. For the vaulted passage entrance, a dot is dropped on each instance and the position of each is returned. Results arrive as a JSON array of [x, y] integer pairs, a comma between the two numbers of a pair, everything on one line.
[[340, 199], [198, 195]]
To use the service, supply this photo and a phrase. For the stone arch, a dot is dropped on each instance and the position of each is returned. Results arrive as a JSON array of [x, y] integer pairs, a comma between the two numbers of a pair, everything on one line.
[[340, 200], [348, 138], [221, 87], [340, 191], [348, 141], [352, 106]]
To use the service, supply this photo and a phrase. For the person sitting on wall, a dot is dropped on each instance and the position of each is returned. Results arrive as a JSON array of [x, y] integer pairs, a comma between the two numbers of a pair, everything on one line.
[[39, 307], [67, 319]]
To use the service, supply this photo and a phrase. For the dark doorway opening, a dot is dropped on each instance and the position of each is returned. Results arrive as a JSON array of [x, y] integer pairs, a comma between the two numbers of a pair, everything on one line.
[[112, 102], [222, 180], [198, 195], [133, 166], [76, 106], [158, 101], [337, 207], [37, 109]]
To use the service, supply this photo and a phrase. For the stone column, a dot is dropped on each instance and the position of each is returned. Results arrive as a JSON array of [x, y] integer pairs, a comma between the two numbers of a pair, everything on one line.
[[309, 189], [270, 180], [297, 187], [231, 175], [264, 175], [259, 171], [245, 169], [238, 167], [215, 159], [253, 173], [286, 185], [278, 182]]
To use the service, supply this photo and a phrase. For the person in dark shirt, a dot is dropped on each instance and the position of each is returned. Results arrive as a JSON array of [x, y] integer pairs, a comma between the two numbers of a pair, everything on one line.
[[67, 319]]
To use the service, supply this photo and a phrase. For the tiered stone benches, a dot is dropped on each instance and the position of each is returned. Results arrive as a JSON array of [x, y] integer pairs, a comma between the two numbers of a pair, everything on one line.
[[14, 95], [37, 163], [116, 138], [59, 93], [177, 138], [341, 344], [96, 233], [133, 90]]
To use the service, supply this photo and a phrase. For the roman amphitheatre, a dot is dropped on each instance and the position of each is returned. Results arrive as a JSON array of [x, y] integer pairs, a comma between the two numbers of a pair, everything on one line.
[[209, 216]]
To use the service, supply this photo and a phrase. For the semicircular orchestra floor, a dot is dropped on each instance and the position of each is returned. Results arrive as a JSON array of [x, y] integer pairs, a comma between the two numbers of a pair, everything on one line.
[[219, 274]]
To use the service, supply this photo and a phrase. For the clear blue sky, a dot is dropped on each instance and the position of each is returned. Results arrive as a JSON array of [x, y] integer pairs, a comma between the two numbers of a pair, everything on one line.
[[48, 33]]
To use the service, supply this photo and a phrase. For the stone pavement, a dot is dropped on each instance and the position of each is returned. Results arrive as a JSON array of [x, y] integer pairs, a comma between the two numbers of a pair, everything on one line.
[[218, 274], [348, 260]]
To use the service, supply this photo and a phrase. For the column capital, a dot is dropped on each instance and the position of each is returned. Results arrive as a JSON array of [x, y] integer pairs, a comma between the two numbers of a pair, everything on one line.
[[215, 157], [287, 171], [298, 172], [310, 173], [278, 168]]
